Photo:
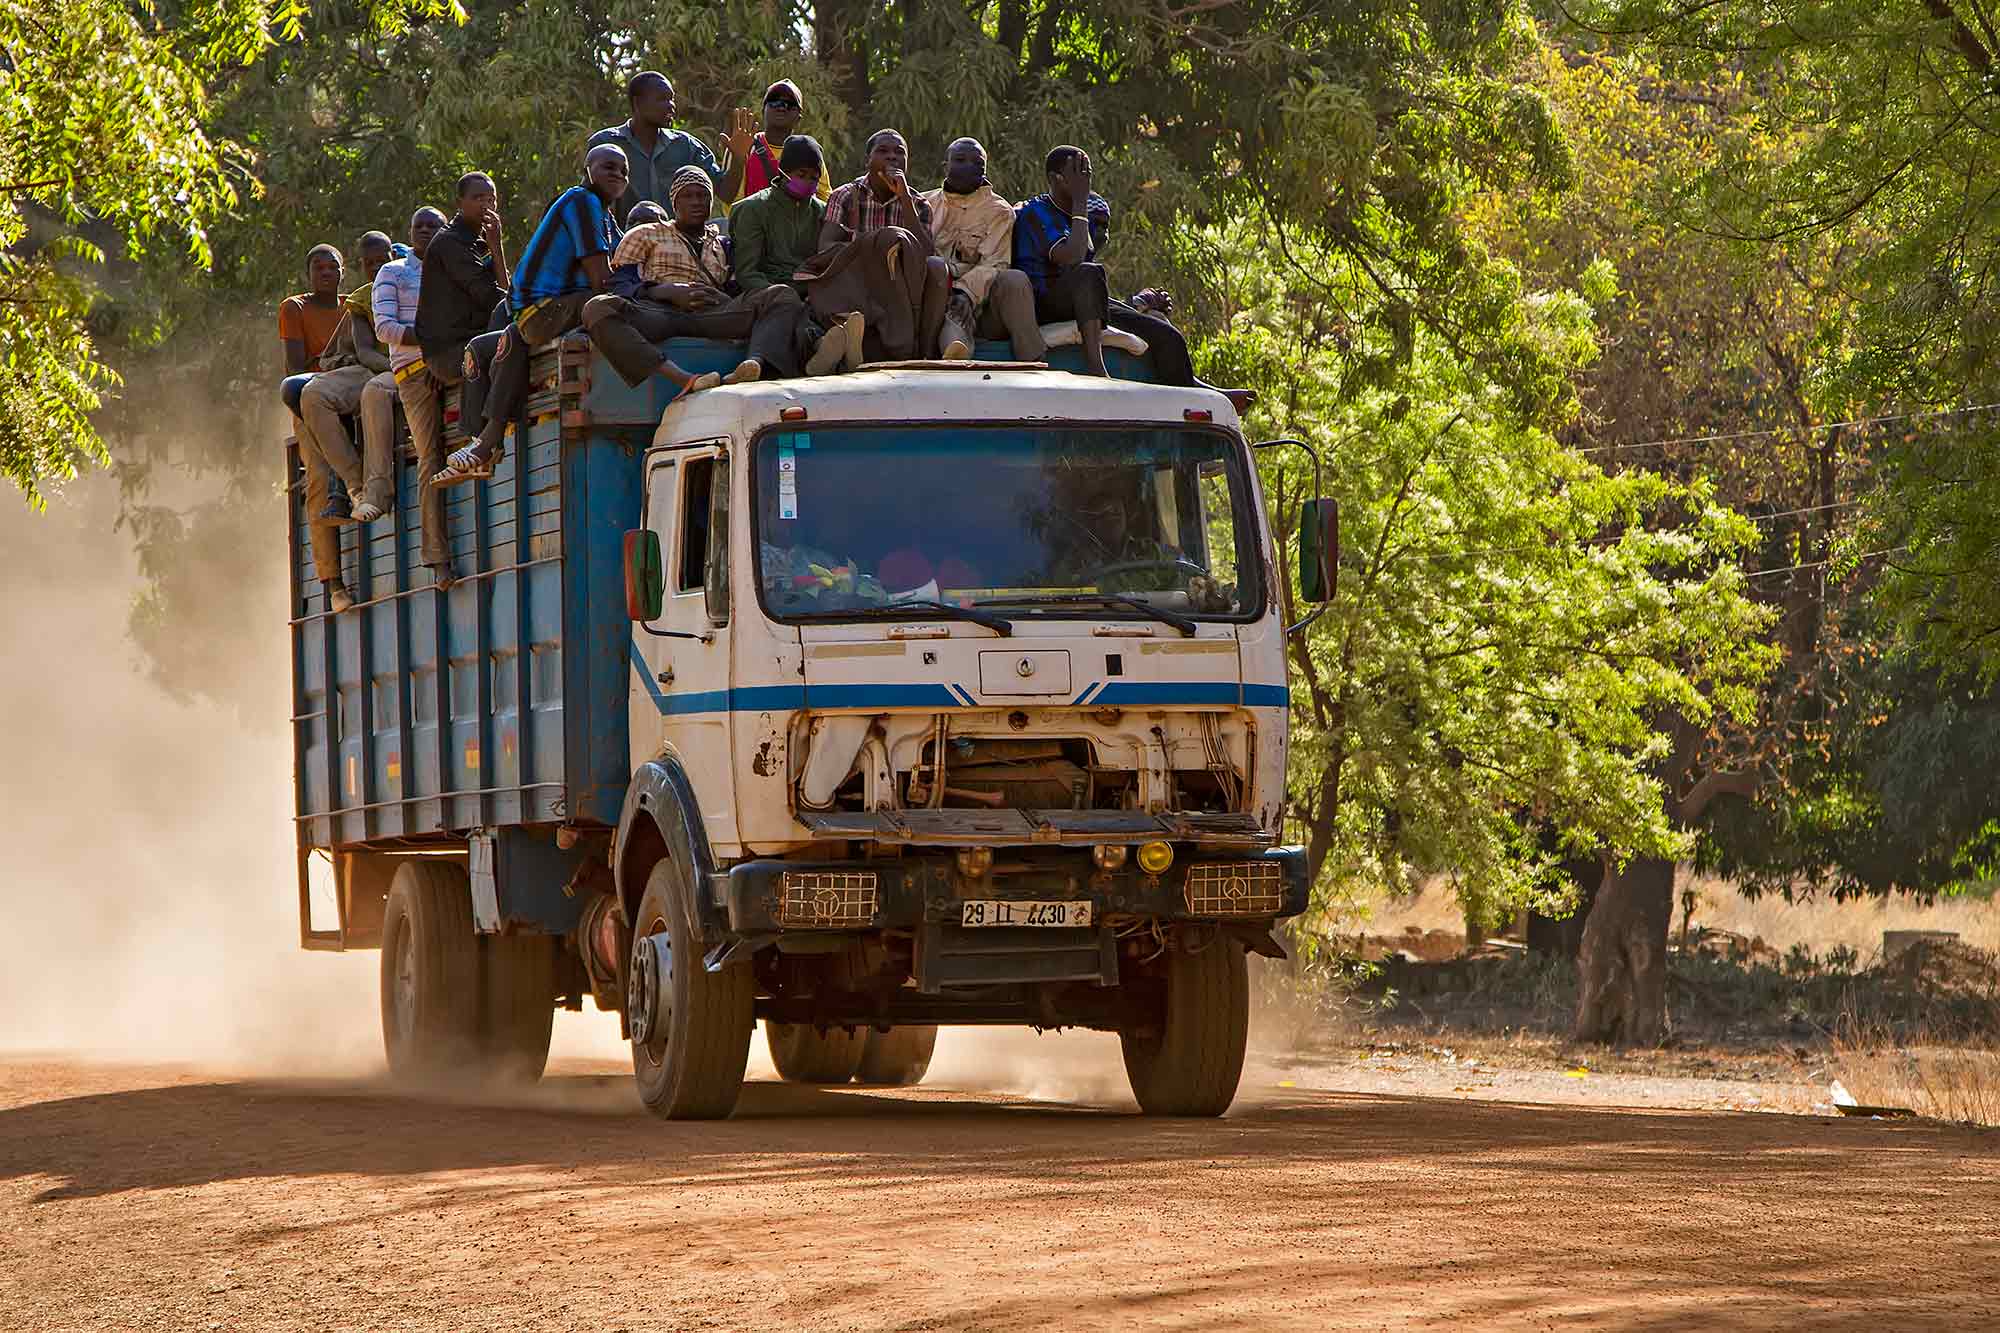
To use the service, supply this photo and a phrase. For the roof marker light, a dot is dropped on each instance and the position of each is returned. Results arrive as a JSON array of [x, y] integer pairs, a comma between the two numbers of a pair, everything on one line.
[[1198, 414], [793, 413]]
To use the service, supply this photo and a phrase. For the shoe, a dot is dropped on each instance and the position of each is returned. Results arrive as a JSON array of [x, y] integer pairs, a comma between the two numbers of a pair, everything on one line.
[[338, 510], [338, 598], [747, 371], [857, 330], [706, 380], [1129, 343], [956, 350], [1241, 399], [827, 354], [366, 512], [472, 463]]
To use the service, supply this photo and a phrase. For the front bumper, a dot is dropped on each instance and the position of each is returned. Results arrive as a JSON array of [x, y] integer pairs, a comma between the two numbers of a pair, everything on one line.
[[770, 895]]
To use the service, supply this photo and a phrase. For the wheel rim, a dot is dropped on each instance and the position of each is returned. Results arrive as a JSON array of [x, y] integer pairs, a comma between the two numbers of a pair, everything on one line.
[[650, 993], [405, 989]]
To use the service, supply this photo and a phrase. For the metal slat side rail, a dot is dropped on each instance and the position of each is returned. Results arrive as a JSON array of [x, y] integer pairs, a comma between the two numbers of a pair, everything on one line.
[[412, 592], [441, 681], [401, 607], [364, 662], [455, 795], [482, 633]]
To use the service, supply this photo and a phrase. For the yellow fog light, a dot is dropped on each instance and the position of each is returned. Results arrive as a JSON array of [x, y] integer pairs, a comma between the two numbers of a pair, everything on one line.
[[1155, 857], [974, 862], [1110, 855]]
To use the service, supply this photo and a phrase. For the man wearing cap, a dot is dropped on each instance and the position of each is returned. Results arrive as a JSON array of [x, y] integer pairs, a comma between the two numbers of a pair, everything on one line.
[[876, 255], [784, 107], [654, 150], [974, 230], [683, 270]]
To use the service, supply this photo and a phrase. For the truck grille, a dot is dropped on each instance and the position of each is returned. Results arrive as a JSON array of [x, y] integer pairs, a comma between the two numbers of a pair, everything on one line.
[[1235, 888], [827, 898]]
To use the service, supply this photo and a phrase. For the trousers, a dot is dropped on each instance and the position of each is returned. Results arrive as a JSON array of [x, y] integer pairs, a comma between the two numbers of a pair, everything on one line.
[[423, 406], [772, 321], [1008, 312], [1079, 292], [508, 379]]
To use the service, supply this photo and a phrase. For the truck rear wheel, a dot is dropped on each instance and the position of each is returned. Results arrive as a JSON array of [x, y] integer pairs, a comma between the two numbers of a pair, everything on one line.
[[898, 1058], [519, 972], [690, 1027], [430, 972], [1190, 1064], [804, 1054]]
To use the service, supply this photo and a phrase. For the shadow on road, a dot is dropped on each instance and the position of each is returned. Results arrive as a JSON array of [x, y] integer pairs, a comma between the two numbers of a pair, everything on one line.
[[196, 1133]]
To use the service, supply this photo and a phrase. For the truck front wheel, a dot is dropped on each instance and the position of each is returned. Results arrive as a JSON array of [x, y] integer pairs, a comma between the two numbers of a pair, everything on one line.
[[804, 1054], [690, 1027], [430, 972], [1189, 1061], [898, 1058]]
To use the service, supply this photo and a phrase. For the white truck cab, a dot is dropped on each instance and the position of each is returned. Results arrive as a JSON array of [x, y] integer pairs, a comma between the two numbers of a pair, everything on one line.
[[957, 695]]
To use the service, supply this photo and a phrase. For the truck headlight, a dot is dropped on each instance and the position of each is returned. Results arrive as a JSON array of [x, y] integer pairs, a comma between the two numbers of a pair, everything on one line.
[[1155, 857], [1110, 855], [974, 862]]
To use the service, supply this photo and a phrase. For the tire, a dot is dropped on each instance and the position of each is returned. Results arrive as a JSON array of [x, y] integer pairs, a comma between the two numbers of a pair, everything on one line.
[[690, 1067], [519, 975], [1191, 1065], [803, 1054], [430, 973], [898, 1058]]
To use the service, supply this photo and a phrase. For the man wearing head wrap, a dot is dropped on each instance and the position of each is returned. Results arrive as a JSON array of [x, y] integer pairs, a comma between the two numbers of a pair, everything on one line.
[[974, 230], [877, 256], [784, 107], [684, 281]]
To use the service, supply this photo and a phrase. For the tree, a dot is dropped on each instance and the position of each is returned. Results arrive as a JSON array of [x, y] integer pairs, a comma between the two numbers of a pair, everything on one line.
[[1510, 620], [1872, 125], [105, 108]]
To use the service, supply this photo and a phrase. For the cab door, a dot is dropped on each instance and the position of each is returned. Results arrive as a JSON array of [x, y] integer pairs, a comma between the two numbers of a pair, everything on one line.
[[684, 671]]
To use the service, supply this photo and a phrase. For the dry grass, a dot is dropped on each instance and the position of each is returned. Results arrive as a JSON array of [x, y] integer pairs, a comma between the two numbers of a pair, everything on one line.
[[1943, 1082], [1820, 925]]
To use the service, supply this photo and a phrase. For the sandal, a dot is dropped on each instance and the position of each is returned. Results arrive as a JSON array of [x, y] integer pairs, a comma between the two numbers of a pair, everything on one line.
[[469, 464], [706, 380]]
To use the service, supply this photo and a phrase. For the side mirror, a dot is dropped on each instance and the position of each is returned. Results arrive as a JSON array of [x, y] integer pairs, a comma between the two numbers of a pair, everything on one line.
[[1319, 549], [645, 575]]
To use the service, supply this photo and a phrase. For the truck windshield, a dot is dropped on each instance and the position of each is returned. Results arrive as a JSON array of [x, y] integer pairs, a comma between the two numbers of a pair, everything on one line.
[[862, 517]]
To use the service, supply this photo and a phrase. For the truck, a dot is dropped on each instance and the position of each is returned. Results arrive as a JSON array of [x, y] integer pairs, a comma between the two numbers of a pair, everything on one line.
[[930, 693]]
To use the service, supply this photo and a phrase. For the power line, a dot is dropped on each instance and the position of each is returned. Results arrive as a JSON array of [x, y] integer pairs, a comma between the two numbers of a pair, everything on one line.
[[1790, 430], [1819, 564]]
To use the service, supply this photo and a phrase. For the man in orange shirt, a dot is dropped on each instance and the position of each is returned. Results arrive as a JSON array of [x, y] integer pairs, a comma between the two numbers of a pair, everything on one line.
[[307, 320]]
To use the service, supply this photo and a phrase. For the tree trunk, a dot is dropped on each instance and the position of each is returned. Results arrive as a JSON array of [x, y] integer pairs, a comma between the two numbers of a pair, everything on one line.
[[1564, 935], [839, 43], [1621, 994]]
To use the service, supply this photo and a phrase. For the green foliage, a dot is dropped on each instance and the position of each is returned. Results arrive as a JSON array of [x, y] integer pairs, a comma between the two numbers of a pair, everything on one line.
[[105, 144], [1511, 621], [1870, 126]]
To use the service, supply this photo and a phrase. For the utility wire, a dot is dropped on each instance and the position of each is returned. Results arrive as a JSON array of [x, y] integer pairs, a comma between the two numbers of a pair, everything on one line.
[[1789, 430]]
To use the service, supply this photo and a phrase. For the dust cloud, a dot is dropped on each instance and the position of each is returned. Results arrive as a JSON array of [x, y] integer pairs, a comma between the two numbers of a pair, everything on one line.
[[146, 872]]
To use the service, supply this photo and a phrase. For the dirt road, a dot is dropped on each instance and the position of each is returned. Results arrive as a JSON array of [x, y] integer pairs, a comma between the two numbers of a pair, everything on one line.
[[134, 1197]]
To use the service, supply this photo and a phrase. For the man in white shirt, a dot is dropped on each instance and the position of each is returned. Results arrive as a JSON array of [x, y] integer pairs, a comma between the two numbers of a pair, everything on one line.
[[974, 230], [397, 288]]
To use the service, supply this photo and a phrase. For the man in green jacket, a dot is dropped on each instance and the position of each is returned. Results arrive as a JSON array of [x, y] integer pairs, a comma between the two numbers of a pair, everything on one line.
[[775, 230]]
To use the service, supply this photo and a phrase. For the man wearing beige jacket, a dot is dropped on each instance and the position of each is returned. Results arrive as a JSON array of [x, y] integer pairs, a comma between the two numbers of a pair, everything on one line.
[[974, 229]]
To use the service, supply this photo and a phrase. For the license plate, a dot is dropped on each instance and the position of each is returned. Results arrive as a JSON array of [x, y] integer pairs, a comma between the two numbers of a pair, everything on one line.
[[998, 912]]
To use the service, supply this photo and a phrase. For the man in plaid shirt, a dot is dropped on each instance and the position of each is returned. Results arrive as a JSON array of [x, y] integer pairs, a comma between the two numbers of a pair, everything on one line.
[[683, 280], [877, 256]]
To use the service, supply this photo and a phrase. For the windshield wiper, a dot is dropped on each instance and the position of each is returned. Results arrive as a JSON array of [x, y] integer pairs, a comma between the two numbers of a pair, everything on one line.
[[1139, 604], [998, 624]]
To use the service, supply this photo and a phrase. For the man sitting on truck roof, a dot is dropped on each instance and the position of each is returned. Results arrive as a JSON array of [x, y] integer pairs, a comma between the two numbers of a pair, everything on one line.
[[1056, 240], [974, 230], [685, 279], [877, 256], [564, 264], [654, 150]]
